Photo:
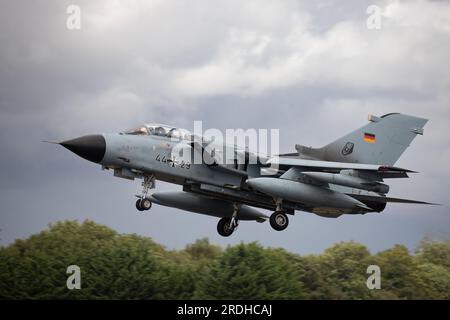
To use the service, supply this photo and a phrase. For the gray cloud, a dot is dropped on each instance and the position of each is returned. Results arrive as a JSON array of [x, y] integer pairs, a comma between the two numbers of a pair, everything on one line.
[[311, 69]]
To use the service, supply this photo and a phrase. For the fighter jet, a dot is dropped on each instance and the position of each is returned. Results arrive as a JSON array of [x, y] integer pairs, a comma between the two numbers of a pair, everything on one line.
[[346, 176]]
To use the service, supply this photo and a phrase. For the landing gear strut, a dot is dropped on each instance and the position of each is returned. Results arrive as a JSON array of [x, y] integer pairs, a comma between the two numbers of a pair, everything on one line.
[[226, 226], [143, 203], [279, 220]]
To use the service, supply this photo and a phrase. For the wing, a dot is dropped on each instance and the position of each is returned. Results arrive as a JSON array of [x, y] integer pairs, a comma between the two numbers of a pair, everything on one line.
[[382, 171], [360, 176], [209, 159], [380, 199]]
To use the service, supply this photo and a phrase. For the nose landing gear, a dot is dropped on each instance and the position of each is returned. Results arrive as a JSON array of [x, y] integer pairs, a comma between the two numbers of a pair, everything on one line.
[[143, 203]]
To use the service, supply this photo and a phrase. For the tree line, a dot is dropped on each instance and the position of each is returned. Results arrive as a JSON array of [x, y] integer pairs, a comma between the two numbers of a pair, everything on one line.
[[128, 266]]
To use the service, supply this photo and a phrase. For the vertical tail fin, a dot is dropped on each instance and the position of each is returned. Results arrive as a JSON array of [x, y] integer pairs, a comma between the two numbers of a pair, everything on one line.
[[382, 141]]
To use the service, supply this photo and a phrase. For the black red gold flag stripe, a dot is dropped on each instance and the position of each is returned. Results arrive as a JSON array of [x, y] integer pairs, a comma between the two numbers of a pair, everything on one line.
[[369, 137]]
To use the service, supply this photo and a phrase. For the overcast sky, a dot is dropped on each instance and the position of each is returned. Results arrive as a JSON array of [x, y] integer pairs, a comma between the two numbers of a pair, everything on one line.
[[309, 68]]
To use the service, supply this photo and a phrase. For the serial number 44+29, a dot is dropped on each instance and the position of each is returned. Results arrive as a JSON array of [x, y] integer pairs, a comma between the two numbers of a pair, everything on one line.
[[173, 162]]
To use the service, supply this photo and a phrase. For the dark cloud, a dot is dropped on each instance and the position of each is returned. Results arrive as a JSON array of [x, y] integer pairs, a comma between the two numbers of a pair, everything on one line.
[[310, 69]]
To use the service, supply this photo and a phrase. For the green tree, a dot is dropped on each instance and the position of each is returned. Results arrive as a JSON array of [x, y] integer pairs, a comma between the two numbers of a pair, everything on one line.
[[343, 268], [112, 266], [248, 271], [433, 269], [202, 249], [398, 272], [120, 266], [435, 252]]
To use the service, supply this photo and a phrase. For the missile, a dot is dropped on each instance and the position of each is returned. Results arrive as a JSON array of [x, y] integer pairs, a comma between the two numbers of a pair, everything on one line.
[[348, 181], [307, 194], [204, 205]]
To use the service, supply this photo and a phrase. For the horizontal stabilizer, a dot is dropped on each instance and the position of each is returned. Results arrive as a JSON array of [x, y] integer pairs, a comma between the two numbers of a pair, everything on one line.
[[378, 199]]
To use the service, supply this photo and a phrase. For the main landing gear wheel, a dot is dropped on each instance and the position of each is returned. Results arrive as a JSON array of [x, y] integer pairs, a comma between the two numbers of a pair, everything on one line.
[[225, 227], [143, 204], [138, 205], [279, 220]]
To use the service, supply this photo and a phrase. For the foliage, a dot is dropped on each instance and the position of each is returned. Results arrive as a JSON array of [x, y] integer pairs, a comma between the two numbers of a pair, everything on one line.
[[120, 266], [248, 271]]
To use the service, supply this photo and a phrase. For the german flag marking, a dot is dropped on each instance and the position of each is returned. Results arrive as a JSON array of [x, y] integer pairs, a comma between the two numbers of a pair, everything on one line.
[[369, 137]]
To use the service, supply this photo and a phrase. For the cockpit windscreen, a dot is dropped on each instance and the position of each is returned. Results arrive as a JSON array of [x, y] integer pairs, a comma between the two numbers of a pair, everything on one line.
[[160, 130]]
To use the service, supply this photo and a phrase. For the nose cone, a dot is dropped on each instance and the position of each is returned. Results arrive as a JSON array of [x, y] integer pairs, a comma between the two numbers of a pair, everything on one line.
[[90, 147]]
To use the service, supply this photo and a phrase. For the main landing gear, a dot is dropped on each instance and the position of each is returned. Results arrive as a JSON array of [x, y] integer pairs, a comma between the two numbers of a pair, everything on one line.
[[143, 203], [279, 220], [226, 226]]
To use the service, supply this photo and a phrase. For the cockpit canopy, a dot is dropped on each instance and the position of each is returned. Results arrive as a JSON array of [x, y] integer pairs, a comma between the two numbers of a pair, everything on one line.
[[155, 129]]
